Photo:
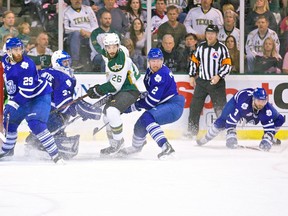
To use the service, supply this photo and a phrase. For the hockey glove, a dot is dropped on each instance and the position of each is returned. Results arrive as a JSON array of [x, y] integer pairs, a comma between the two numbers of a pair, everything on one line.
[[266, 142], [231, 139], [132, 108], [143, 95], [88, 111], [10, 108], [93, 92]]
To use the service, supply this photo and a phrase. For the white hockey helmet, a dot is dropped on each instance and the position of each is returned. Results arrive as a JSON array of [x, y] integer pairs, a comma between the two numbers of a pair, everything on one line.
[[57, 62], [111, 39]]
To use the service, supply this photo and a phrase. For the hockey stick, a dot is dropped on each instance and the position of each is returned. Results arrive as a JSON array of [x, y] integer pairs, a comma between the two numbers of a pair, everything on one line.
[[99, 103], [96, 129], [70, 103], [250, 147], [3, 136]]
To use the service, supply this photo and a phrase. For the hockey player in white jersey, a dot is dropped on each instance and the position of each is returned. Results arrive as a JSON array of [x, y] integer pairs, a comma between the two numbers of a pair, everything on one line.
[[121, 83]]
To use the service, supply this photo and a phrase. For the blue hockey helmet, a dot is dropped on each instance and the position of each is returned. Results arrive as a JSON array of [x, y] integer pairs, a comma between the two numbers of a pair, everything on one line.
[[13, 42], [155, 53], [260, 94], [58, 62]]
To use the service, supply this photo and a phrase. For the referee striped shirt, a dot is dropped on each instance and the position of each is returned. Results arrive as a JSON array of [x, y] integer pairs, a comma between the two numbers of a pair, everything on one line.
[[210, 61]]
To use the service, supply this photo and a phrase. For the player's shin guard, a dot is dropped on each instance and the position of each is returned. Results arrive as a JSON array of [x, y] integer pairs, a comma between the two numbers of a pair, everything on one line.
[[48, 143], [211, 134], [8, 146]]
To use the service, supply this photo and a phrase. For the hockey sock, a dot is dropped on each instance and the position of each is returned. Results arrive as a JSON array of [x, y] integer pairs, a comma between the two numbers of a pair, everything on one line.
[[11, 138], [156, 133], [48, 142], [138, 142]]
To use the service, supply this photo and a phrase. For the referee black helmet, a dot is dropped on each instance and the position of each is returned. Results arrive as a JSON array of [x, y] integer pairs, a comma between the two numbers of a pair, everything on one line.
[[212, 28]]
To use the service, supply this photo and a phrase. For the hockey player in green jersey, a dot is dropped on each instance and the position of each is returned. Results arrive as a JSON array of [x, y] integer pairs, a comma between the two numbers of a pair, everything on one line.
[[121, 78]]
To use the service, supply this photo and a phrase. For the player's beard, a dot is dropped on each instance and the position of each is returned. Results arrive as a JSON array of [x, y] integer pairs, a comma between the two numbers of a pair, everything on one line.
[[17, 58]]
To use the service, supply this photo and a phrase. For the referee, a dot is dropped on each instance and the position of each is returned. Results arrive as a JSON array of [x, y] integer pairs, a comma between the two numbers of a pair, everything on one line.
[[209, 65]]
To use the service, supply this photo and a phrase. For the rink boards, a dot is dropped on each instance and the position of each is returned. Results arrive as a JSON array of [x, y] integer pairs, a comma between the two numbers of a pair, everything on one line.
[[276, 87]]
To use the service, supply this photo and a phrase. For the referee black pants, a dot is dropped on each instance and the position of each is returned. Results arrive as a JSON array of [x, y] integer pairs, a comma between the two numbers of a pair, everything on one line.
[[203, 88]]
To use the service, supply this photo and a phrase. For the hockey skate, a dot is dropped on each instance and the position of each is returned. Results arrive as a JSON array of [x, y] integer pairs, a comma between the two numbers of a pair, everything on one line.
[[6, 154], [202, 141], [114, 148], [57, 159], [130, 150], [167, 152]]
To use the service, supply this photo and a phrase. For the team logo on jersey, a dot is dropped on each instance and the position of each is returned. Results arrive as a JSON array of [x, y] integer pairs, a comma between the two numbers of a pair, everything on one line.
[[158, 78], [268, 112], [244, 106], [68, 82], [24, 65], [215, 55], [116, 67], [10, 87]]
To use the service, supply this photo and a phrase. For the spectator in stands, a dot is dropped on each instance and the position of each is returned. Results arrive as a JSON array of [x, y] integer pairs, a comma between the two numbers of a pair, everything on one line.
[[119, 20], [190, 48], [79, 22], [138, 59], [269, 61], [172, 27], [138, 35], [8, 25], [229, 27], [2, 45], [199, 18], [24, 35], [255, 40], [134, 10], [181, 5], [96, 5], [231, 45], [96, 40], [173, 57], [260, 8], [283, 36], [41, 54], [275, 8], [235, 3], [285, 63], [158, 17]]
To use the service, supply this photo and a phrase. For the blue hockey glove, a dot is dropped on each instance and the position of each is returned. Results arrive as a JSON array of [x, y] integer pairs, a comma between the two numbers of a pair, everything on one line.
[[231, 138], [71, 110], [143, 95], [10, 108], [93, 92], [266, 142], [251, 120], [132, 108], [88, 111]]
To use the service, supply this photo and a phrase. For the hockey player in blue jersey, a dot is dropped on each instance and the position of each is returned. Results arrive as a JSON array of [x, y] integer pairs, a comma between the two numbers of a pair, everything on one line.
[[61, 77], [252, 106], [163, 105], [29, 99]]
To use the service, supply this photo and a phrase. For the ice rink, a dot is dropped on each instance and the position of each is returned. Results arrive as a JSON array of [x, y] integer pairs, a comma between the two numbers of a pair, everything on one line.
[[200, 181]]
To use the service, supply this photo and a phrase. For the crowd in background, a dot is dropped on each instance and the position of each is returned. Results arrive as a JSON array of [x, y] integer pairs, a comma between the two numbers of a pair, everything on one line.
[[177, 27]]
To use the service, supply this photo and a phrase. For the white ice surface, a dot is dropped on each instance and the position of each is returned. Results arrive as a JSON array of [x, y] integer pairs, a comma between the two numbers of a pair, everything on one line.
[[201, 181]]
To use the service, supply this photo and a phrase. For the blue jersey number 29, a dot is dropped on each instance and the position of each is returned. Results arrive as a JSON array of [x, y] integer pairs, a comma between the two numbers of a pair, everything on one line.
[[28, 81]]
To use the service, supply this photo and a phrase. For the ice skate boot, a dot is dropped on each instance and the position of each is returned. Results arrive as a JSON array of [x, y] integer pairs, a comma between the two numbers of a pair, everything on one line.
[[114, 148], [202, 141], [166, 152], [57, 159], [131, 150], [7, 153]]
